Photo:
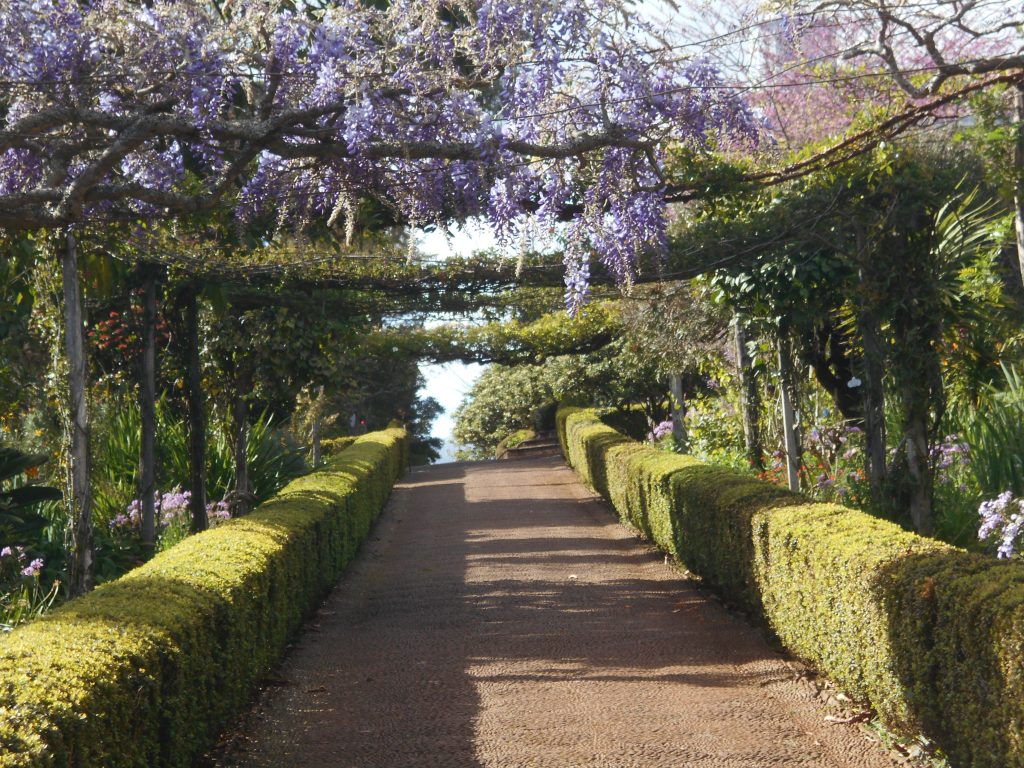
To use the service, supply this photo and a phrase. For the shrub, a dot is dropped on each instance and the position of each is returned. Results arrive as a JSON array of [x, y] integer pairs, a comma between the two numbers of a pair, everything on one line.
[[931, 636], [148, 669], [332, 446]]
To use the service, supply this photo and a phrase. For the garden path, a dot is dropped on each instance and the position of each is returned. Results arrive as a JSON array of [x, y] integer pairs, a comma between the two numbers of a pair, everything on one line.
[[499, 616]]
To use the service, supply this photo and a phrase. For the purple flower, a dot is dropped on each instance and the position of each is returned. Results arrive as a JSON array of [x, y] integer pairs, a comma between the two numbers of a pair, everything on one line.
[[33, 568], [1002, 516], [218, 511], [6, 552], [661, 430]]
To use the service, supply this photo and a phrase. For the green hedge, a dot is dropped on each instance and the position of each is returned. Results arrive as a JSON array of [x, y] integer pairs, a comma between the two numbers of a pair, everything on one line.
[[332, 446], [149, 669], [931, 636]]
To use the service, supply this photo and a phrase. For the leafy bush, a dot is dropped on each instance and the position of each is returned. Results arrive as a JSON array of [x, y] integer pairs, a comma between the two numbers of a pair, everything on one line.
[[273, 460], [148, 669], [20, 521], [931, 636], [24, 593], [514, 440], [995, 432]]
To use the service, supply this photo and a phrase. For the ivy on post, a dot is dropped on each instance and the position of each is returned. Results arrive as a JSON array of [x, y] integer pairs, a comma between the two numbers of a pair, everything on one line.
[[82, 563], [789, 413], [147, 406], [196, 404]]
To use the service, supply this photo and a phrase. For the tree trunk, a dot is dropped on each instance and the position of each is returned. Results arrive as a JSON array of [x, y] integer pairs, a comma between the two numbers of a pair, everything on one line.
[[675, 385], [240, 418], [196, 416], [318, 421], [874, 404], [789, 427], [750, 398], [82, 565], [1018, 166], [915, 434], [147, 405]]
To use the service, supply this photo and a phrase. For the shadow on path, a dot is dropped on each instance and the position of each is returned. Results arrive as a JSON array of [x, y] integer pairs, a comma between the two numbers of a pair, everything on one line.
[[499, 616]]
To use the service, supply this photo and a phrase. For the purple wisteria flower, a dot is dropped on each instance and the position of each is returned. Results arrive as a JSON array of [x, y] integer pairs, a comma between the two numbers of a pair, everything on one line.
[[525, 112]]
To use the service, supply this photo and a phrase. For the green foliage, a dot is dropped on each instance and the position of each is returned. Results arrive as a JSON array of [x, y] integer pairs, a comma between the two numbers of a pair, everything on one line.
[[19, 501], [501, 402], [22, 354], [507, 398], [511, 342], [929, 635], [512, 441], [27, 600], [272, 459], [678, 327], [269, 352], [369, 385], [147, 670], [995, 431]]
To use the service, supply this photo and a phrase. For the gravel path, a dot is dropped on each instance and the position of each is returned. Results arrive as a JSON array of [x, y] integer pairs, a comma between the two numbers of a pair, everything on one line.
[[499, 616]]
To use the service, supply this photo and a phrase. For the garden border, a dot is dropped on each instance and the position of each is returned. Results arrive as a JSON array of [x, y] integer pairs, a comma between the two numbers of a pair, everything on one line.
[[930, 635], [149, 669]]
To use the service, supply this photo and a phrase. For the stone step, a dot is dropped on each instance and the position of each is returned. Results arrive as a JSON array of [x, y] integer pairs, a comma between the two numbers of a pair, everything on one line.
[[523, 451]]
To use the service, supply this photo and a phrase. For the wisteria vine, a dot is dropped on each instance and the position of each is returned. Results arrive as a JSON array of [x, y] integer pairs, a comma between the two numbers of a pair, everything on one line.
[[526, 113]]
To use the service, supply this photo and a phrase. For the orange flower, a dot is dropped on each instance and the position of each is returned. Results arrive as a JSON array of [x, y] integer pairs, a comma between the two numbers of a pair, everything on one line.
[[32, 473]]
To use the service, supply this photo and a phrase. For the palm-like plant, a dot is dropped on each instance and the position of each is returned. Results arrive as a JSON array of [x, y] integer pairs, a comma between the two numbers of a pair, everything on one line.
[[19, 520]]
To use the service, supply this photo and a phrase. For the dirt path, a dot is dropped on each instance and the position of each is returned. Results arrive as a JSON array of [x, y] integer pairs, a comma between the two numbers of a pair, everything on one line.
[[499, 616]]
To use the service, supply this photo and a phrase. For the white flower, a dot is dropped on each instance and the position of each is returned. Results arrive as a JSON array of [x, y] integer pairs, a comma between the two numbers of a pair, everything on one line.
[[853, 383]]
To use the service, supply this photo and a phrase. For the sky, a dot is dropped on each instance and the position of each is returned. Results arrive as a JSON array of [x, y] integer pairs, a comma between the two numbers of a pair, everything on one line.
[[448, 383]]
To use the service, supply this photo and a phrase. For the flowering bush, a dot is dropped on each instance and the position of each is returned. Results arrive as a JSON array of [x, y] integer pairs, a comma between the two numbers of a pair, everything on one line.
[[22, 595], [173, 519], [833, 463], [1002, 520], [661, 431], [13, 559]]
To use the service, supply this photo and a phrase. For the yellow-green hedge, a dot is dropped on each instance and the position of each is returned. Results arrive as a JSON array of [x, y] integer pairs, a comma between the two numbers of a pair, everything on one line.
[[931, 636], [147, 670], [332, 446]]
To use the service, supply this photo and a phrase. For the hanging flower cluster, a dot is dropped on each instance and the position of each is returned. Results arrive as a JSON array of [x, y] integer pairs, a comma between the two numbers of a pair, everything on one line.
[[525, 112]]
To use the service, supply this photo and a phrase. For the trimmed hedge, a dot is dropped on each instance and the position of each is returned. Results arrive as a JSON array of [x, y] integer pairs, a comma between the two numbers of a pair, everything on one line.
[[332, 446], [930, 635], [149, 669]]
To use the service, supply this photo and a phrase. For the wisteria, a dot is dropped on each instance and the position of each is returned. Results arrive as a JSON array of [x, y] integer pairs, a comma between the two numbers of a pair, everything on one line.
[[525, 113]]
